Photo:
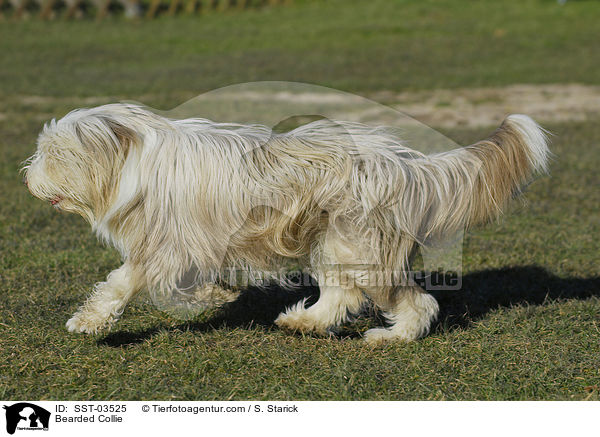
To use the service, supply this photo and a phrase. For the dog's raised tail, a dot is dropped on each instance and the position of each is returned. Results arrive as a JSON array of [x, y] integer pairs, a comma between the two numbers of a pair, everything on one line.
[[509, 159], [473, 185]]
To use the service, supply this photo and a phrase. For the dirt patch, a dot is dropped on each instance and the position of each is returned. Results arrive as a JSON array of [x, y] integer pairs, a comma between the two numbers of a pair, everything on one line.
[[476, 107], [469, 107]]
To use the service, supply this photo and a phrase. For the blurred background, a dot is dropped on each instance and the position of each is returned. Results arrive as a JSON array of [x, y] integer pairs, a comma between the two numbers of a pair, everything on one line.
[[360, 46]]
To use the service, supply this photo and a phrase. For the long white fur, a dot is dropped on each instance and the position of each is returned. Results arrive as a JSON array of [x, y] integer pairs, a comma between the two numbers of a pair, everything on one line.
[[181, 196]]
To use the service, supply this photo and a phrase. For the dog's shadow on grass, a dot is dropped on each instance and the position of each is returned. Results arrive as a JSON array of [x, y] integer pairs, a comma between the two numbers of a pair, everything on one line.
[[481, 292], [488, 290], [254, 307]]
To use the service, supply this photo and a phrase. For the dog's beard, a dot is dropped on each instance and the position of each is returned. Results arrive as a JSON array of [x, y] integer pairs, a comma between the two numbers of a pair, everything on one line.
[[59, 190]]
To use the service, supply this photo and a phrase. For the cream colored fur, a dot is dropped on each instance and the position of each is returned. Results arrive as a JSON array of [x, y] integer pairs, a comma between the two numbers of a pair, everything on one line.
[[191, 198]]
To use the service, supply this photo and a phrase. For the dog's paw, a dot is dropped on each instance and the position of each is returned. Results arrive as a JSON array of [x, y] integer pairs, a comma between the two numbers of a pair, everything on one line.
[[88, 323], [377, 336], [299, 320]]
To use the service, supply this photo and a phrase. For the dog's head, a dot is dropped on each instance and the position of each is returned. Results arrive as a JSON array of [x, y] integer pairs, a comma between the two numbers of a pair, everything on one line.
[[78, 160]]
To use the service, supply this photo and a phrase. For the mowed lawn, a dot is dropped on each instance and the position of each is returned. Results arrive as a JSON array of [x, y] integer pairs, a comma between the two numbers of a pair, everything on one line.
[[526, 324], [353, 45]]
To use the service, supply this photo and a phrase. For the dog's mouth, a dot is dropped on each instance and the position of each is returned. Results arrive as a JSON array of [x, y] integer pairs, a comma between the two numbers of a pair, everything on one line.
[[55, 200]]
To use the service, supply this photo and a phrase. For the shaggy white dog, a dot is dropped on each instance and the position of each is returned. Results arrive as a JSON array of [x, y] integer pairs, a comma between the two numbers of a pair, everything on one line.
[[194, 199]]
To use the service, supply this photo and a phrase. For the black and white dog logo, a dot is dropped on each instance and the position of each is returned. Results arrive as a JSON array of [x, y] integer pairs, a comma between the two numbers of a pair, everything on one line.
[[26, 416]]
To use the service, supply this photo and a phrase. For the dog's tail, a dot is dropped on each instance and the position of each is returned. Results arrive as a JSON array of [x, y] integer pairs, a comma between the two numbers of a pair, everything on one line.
[[473, 184], [510, 157]]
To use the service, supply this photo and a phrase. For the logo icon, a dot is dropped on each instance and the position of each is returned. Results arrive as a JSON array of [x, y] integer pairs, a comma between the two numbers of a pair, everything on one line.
[[26, 416]]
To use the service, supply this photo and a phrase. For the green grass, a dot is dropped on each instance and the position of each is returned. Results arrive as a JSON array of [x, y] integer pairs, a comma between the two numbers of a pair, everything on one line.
[[526, 324], [346, 44]]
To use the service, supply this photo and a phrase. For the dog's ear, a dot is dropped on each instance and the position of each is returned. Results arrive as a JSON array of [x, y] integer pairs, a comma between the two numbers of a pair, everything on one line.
[[124, 134], [92, 134]]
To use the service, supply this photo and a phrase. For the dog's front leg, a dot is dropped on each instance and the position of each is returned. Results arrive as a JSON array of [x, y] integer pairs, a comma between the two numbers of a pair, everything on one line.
[[108, 300]]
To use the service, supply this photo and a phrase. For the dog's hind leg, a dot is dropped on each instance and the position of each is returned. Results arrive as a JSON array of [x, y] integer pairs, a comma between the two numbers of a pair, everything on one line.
[[339, 296], [106, 304], [334, 306], [410, 310]]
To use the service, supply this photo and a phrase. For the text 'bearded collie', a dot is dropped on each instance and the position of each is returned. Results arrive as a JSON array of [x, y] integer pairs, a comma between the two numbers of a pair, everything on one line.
[[181, 196]]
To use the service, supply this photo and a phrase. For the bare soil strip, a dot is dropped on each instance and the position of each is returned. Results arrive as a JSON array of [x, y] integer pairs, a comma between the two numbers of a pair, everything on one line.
[[476, 107], [469, 107]]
